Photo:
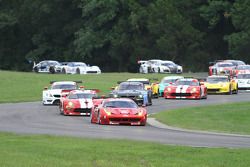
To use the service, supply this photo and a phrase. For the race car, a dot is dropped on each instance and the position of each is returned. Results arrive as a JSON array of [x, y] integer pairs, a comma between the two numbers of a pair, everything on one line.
[[221, 68], [77, 102], [152, 87], [221, 84], [52, 94], [159, 66], [243, 80], [134, 91], [186, 88], [47, 66], [241, 69], [166, 81], [80, 68], [118, 111]]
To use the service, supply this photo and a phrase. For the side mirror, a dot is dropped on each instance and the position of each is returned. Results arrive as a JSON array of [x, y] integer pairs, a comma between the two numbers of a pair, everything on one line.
[[112, 88], [45, 88]]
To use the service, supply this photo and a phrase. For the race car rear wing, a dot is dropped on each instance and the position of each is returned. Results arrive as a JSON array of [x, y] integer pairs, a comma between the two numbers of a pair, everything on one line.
[[141, 61], [51, 82]]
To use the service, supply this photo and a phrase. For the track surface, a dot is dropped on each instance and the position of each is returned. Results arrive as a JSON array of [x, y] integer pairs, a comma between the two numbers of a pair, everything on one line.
[[34, 118]]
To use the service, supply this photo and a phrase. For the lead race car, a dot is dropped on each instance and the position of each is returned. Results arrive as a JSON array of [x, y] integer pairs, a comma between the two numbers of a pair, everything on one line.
[[53, 93], [118, 111], [77, 102], [186, 88]]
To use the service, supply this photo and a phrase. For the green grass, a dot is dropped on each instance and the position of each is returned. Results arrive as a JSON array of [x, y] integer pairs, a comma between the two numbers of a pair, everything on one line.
[[230, 118], [21, 86], [46, 151]]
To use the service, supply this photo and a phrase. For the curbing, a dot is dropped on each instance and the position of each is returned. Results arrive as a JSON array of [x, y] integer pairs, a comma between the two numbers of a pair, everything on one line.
[[153, 122]]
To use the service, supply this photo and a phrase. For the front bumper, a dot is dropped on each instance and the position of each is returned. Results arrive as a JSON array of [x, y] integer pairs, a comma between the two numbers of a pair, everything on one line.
[[78, 111], [51, 101], [125, 119]]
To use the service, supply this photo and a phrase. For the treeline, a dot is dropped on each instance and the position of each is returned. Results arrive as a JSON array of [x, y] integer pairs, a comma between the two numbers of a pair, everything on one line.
[[115, 34]]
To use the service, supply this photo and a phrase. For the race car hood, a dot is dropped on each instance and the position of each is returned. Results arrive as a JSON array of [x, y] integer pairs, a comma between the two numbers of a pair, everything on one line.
[[123, 111], [83, 103], [182, 88], [93, 68], [53, 91], [243, 81], [217, 85], [129, 92]]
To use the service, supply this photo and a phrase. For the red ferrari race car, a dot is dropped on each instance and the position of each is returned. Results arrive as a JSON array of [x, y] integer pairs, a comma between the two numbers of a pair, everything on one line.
[[186, 88], [118, 111], [77, 102]]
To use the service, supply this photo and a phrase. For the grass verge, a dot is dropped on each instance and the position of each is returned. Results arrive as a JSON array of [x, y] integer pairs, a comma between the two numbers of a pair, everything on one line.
[[46, 151], [230, 118], [28, 86]]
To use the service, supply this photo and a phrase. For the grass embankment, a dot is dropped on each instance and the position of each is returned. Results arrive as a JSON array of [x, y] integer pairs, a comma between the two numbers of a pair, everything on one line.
[[25, 151], [21, 86], [230, 118]]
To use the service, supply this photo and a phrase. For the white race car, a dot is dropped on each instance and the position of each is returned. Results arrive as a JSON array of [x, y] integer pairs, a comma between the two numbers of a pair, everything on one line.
[[159, 66], [80, 68], [243, 81], [47, 66], [52, 94]]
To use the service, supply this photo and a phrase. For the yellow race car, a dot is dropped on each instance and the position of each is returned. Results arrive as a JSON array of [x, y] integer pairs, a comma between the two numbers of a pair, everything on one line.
[[221, 85], [154, 87]]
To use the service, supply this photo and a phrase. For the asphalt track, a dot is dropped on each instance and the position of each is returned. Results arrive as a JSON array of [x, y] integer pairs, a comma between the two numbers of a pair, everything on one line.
[[34, 118]]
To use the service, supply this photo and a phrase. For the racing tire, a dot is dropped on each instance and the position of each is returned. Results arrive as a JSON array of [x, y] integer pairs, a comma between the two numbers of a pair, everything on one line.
[[99, 119], [91, 118], [63, 71], [230, 91], [150, 100], [159, 70], [78, 71], [236, 91], [52, 70], [36, 69], [61, 109]]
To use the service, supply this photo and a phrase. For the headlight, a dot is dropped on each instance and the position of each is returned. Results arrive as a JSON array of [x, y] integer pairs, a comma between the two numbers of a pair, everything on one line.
[[193, 90], [49, 95], [168, 89], [70, 104], [115, 95], [140, 96], [107, 112]]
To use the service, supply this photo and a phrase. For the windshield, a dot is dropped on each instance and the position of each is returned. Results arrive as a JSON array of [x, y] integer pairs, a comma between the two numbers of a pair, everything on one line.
[[225, 65], [53, 63], [216, 80], [243, 67], [166, 81], [243, 76], [81, 96], [187, 82], [64, 86], [168, 64], [80, 64], [131, 86], [120, 104]]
